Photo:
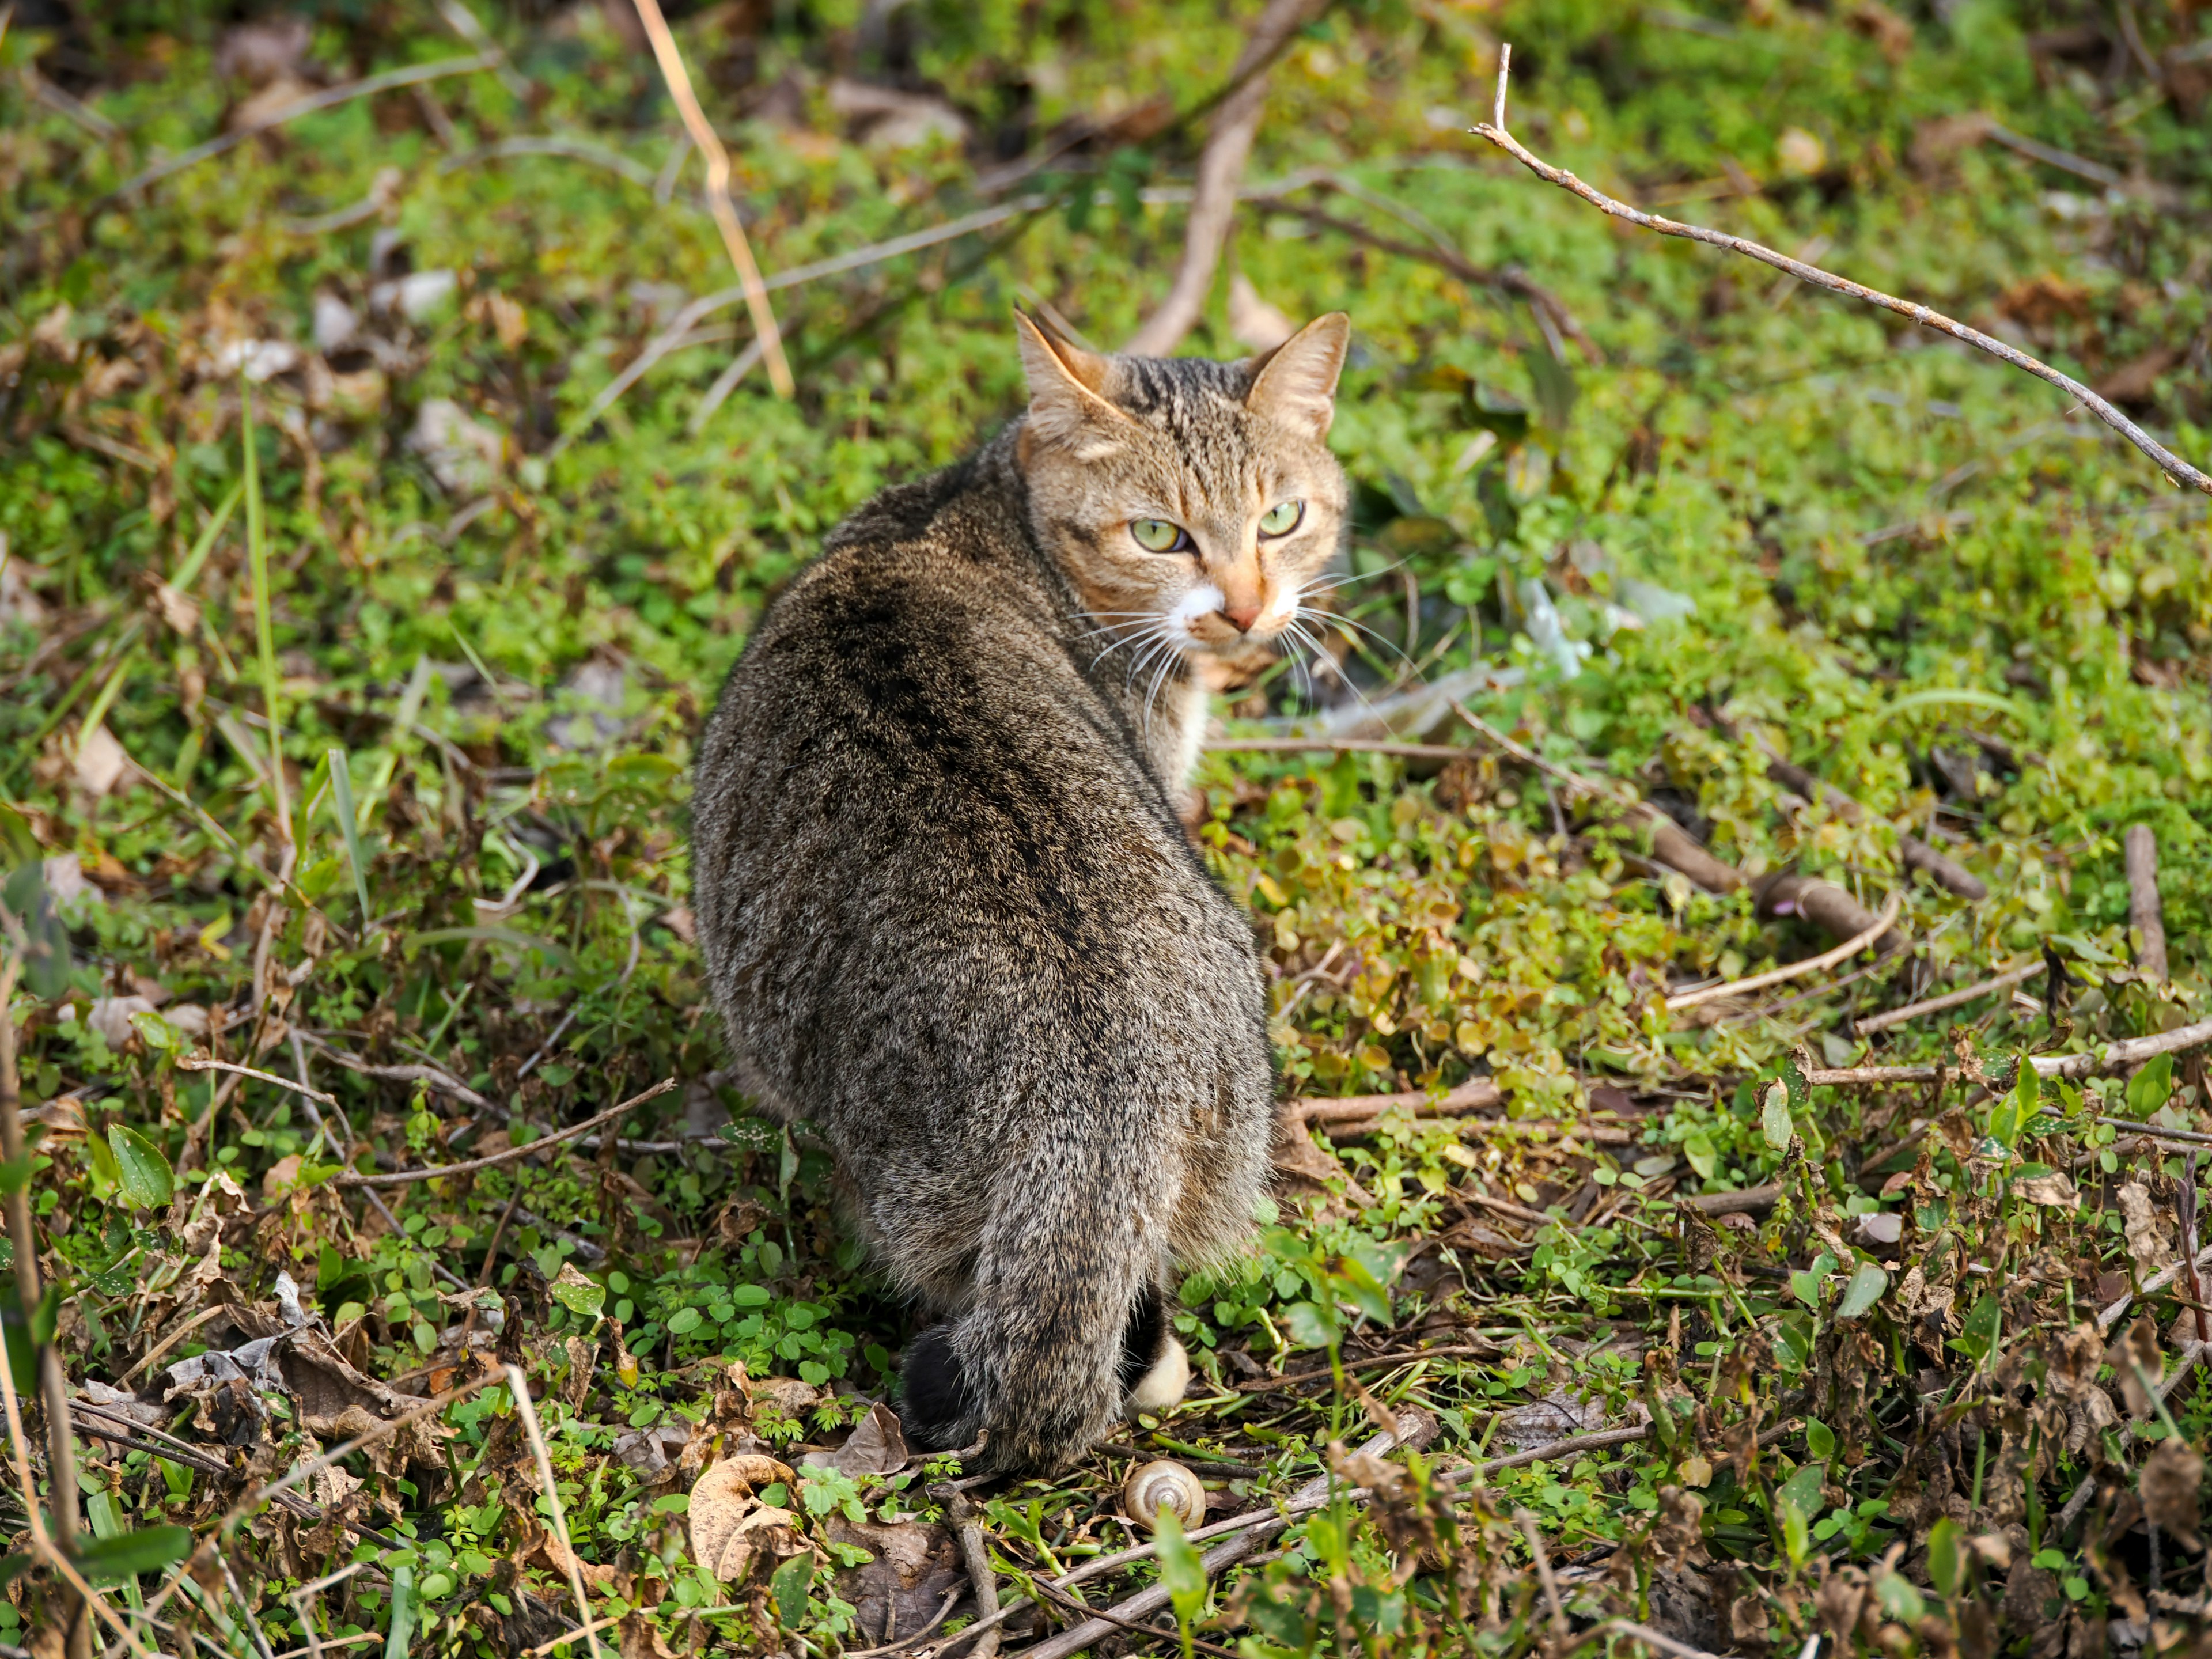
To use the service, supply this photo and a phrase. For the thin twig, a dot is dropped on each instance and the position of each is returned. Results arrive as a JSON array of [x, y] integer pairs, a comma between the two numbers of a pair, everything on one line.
[[414, 75], [709, 145], [2004, 981], [1220, 170], [2116, 1057], [403, 1177], [1844, 952], [192, 1064], [519, 1385], [41, 1541], [2175, 467]]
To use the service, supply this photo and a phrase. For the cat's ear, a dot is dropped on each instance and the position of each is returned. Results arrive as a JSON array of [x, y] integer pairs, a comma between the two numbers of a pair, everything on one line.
[[1296, 383], [1067, 383]]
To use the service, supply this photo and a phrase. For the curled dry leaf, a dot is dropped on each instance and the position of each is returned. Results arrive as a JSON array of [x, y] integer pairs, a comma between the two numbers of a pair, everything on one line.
[[730, 1525], [2145, 1226], [2055, 1189], [2138, 1362], [2171, 1478]]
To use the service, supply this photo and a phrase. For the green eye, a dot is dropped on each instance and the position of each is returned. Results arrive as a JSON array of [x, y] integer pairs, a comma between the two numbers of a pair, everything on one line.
[[1157, 535], [1282, 518]]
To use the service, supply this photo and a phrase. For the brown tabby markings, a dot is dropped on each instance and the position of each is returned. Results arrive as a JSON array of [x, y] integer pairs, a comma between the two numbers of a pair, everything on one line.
[[948, 914]]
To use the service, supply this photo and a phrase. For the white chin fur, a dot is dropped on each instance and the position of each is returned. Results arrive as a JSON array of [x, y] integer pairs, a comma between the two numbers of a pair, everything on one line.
[[1162, 1386]]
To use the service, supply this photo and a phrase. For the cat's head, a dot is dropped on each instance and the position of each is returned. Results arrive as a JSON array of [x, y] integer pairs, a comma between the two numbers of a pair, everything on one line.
[[1193, 504]]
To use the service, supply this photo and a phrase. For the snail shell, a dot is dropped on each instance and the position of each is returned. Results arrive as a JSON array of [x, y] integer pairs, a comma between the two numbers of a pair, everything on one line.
[[1165, 1485]]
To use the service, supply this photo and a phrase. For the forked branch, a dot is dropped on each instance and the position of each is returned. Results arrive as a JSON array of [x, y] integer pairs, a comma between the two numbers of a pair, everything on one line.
[[1494, 129]]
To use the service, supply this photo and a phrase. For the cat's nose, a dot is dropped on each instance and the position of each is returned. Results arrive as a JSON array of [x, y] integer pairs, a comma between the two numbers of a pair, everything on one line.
[[1243, 613]]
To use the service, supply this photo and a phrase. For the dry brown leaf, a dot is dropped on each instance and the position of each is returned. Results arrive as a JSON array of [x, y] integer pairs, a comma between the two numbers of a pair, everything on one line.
[[2145, 1227], [2173, 1477], [725, 1505], [2055, 1189]]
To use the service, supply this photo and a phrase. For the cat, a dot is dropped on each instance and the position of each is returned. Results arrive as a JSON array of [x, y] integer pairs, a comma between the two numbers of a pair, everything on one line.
[[949, 915]]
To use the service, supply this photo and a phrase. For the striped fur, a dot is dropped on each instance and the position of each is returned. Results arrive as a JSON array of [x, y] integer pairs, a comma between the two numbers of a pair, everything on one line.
[[949, 914]]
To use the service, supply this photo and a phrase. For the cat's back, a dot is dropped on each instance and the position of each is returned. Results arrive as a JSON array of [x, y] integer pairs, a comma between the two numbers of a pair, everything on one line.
[[908, 771]]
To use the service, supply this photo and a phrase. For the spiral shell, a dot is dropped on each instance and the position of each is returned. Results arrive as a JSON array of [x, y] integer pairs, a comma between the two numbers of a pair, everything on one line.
[[1165, 1485]]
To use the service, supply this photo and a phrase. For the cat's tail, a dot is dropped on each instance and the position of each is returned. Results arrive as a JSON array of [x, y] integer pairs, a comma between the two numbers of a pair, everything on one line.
[[1068, 1322]]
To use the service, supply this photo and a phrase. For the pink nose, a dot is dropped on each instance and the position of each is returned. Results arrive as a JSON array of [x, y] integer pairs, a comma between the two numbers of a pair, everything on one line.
[[1244, 615]]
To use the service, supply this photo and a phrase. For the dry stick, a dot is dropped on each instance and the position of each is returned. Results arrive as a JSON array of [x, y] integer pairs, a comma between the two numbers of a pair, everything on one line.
[[192, 1064], [277, 1488], [519, 1385], [2146, 916], [403, 1178], [1494, 129], [172, 1339], [709, 145], [61, 1452], [2116, 1057], [1844, 952], [1834, 910], [2004, 981], [1475, 1095], [1912, 853], [1220, 170], [976, 1555], [415, 75]]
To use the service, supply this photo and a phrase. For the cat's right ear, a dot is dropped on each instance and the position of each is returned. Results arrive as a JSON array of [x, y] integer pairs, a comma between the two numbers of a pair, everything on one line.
[[1067, 383]]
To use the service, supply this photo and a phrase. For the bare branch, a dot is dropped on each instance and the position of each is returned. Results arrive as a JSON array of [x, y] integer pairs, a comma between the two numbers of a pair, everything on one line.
[[1220, 170], [415, 75], [2004, 981], [2171, 464]]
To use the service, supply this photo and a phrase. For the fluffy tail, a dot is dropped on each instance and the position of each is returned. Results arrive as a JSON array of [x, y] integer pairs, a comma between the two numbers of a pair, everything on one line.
[[1068, 1316]]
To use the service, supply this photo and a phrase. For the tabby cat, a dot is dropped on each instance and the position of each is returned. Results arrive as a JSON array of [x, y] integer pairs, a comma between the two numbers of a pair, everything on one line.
[[950, 913]]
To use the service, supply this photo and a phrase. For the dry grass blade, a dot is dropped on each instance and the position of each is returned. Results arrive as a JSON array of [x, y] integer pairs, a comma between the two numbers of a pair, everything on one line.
[[519, 1385], [2175, 467], [1844, 952], [724, 211]]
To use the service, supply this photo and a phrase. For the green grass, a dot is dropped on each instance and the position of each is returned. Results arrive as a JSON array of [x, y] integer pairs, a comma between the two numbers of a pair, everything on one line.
[[487, 655]]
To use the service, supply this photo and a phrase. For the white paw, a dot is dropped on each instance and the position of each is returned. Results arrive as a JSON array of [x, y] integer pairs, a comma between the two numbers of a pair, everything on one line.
[[1162, 1386]]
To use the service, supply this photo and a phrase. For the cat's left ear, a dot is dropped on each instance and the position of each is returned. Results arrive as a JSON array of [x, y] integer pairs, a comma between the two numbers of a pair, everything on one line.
[[1296, 383]]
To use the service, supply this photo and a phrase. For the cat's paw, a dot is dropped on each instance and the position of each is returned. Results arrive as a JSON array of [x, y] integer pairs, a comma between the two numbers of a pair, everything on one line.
[[1162, 1386]]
